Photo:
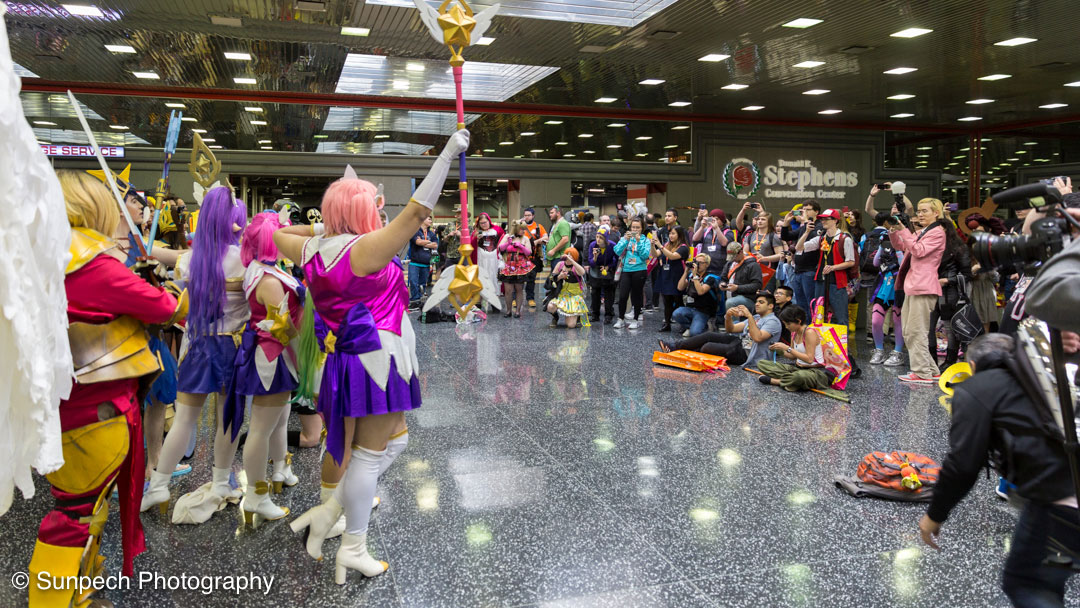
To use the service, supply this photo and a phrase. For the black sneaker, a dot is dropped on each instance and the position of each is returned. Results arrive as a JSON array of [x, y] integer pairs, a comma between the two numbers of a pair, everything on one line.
[[765, 380]]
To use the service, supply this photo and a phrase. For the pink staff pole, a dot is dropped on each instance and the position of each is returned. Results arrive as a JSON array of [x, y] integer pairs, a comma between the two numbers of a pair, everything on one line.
[[463, 184]]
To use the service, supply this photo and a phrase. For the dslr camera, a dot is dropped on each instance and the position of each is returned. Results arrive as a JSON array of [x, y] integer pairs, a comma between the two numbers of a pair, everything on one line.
[[1049, 235]]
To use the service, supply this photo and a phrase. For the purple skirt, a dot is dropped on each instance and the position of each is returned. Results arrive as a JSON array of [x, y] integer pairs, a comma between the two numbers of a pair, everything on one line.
[[208, 365], [246, 381], [348, 390]]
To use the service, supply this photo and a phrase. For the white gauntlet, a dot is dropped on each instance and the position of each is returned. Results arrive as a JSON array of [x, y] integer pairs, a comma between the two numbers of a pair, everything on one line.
[[427, 193]]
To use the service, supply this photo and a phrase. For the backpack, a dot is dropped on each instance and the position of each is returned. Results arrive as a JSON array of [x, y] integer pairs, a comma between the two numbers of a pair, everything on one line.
[[853, 272], [882, 475], [870, 247]]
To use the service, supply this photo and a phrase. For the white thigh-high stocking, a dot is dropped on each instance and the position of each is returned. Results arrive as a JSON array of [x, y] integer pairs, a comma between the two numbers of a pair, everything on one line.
[[279, 438], [358, 489], [394, 446], [172, 450], [224, 444], [260, 430]]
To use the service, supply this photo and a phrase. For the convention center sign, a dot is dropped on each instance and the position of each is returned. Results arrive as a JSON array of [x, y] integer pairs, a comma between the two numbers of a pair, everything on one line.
[[80, 151], [790, 177]]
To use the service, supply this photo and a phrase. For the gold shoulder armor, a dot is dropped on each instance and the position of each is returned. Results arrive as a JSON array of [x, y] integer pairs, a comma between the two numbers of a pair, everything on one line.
[[86, 244], [111, 351]]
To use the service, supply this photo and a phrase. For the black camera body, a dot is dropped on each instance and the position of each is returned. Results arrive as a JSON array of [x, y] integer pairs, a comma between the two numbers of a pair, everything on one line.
[[1047, 238]]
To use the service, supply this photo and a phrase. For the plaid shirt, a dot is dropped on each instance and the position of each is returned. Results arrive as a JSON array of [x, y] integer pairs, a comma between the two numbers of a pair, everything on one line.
[[588, 233]]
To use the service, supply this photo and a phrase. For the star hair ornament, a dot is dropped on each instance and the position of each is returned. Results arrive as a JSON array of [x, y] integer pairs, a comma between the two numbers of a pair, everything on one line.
[[456, 25]]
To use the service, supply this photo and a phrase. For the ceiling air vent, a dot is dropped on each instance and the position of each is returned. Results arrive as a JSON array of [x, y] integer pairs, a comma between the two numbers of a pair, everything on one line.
[[663, 35], [855, 49], [1053, 65]]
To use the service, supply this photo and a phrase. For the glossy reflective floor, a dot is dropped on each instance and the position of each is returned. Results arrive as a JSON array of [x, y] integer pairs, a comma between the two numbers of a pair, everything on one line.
[[556, 467]]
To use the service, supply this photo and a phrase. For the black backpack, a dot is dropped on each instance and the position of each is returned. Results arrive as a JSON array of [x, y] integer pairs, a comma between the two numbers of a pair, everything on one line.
[[870, 247]]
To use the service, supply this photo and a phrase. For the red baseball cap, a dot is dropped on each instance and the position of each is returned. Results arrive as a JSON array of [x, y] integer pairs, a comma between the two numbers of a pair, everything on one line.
[[831, 214]]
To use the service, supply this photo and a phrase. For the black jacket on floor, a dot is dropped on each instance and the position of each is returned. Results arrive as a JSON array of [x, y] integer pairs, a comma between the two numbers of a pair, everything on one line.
[[991, 414]]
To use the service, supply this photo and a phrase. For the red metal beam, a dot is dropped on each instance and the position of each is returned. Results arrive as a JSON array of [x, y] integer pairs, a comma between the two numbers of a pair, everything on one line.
[[447, 105], [974, 168]]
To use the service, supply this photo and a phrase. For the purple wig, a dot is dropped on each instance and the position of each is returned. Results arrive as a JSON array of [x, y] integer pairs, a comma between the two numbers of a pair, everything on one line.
[[219, 213]]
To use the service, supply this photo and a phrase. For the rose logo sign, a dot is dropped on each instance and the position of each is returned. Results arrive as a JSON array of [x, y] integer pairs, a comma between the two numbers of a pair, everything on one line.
[[741, 178]]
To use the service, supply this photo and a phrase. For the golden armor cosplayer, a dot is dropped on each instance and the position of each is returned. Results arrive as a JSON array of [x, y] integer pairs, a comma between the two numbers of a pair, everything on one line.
[[102, 437]]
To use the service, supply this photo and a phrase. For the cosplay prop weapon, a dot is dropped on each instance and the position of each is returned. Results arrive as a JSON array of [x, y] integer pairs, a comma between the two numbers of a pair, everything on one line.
[[163, 182], [109, 179], [455, 25]]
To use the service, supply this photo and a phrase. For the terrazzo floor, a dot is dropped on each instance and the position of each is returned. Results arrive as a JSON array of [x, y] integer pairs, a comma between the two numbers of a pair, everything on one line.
[[556, 467]]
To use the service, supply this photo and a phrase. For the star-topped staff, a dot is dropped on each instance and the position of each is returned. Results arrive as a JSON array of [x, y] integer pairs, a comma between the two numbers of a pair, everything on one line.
[[455, 25]]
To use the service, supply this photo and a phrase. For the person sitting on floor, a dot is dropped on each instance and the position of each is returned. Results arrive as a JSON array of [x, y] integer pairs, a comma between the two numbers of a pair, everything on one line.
[[567, 282], [783, 295], [700, 300], [763, 329], [808, 372]]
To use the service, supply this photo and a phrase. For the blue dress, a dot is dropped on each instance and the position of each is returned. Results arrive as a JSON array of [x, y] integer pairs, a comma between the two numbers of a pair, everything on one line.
[[671, 271]]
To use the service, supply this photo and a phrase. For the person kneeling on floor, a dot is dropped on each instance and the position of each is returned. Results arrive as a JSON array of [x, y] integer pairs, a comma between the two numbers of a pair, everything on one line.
[[993, 415], [808, 371], [763, 329], [568, 283], [701, 299]]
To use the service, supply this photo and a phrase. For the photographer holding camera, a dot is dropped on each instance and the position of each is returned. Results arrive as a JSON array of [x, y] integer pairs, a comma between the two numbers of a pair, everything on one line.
[[794, 225], [992, 415]]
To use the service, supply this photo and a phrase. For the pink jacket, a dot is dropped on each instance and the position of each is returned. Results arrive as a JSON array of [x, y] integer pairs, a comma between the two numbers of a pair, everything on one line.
[[919, 270]]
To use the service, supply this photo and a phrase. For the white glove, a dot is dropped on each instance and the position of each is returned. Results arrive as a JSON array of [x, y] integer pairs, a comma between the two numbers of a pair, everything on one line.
[[318, 229], [283, 216], [427, 193]]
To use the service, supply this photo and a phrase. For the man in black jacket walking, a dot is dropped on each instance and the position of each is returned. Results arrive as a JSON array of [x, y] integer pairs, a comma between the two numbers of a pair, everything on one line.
[[992, 414]]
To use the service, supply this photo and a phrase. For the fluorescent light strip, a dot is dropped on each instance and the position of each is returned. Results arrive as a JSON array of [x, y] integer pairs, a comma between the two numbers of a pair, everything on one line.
[[258, 122], [802, 23], [652, 81], [902, 115], [82, 10], [1015, 41], [911, 32], [243, 80], [976, 102], [680, 127], [527, 133], [969, 118], [198, 131], [713, 57], [484, 41], [808, 64], [172, 104], [643, 138], [119, 48], [611, 99], [238, 56], [734, 87], [616, 125], [901, 96], [1053, 106], [830, 111], [679, 104], [252, 109], [995, 77], [753, 108], [553, 122], [147, 75], [266, 141], [816, 92], [355, 31], [118, 127], [901, 70]]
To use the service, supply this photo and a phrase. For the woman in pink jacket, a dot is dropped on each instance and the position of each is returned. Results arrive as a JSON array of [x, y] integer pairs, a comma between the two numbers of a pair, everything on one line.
[[918, 278], [516, 252]]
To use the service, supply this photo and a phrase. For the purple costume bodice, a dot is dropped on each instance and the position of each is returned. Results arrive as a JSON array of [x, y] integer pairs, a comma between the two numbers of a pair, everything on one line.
[[336, 290]]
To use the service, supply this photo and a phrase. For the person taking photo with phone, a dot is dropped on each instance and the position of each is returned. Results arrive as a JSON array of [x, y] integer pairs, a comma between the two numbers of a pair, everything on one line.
[[794, 225]]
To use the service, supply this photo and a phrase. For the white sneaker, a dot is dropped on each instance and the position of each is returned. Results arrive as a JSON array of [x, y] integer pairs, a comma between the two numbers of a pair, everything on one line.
[[895, 359], [878, 357], [629, 316], [619, 324], [686, 334], [634, 325]]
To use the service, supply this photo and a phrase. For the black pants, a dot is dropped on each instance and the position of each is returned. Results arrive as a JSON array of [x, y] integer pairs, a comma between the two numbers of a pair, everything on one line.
[[632, 286], [718, 344], [947, 306], [654, 278], [607, 290], [670, 304], [530, 279], [1040, 531]]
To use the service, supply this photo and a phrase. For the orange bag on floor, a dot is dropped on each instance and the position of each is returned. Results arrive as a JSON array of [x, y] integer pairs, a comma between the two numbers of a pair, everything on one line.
[[691, 361]]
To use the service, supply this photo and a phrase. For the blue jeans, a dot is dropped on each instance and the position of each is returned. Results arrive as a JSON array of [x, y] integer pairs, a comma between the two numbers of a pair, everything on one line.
[[691, 318], [838, 301], [418, 280], [1027, 582], [802, 287]]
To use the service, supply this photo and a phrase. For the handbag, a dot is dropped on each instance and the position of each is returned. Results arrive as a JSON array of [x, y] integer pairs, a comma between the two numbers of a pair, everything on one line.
[[834, 341], [966, 324]]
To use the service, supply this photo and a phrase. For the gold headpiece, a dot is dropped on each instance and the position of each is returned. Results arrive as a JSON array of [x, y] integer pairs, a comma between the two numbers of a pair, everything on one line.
[[204, 166]]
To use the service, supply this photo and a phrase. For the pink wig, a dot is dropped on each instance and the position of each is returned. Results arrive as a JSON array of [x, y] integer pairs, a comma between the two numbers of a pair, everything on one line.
[[349, 206], [258, 242]]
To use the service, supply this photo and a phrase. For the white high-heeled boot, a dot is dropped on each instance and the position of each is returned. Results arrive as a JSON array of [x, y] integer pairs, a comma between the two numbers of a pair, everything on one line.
[[157, 493], [353, 555], [282, 474], [320, 522], [257, 503], [221, 485]]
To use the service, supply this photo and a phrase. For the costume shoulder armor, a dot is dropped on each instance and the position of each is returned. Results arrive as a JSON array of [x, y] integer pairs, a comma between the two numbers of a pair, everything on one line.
[[86, 244]]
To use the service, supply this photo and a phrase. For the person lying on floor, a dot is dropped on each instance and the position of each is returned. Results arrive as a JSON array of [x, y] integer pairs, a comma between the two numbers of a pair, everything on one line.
[[808, 371], [763, 329]]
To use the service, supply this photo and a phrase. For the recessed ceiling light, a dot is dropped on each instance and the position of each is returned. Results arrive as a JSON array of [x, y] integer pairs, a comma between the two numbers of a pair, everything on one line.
[[714, 57], [644, 138], [414, 66], [569, 155], [401, 85], [536, 151], [189, 119], [45, 123], [816, 92], [605, 99], [214, 147], [118, 127], [925, 148], [1014, 159], [584, 135], [238, 56], [506, 143], [1015, 41], [900, 70], [969, 118], [1053, 106], [802, 22], [589, 151], [652, 81], [734, 87], [120, 48], [258, 122], [616, 125], [830, 111], [902, 115], [959, 157], [922, 156], [264, 141], [242, 80], [382, 136], [640, 154], [552, 122], [172, 104], [485, 40], [320, 136], [976, 102], [198, 130], [996, 77], [355, 31], [911, 32], [252, 109], [262, 147], [147, 75], [1073, 84], [679, 104], [901, 96], [558, 143], [81, 10], [680, 127], [1031, 143], [527, 133], [808, 64], [209, 140]]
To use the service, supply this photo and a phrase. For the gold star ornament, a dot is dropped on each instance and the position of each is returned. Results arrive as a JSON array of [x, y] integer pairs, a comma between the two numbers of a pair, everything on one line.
[[465, 288]]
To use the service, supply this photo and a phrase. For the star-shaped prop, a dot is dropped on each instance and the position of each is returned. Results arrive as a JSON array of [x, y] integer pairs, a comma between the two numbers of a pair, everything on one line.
[[463, 287], [455, 26]]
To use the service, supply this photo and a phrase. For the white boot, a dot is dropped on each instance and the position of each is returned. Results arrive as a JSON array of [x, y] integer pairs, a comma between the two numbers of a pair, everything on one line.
[[353, 555], [320, 521], [222, 487], [257, 503], [157, 493], [283, 475]]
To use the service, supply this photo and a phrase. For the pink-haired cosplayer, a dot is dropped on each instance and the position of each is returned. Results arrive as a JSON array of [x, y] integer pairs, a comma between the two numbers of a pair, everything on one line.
[[370, 375], [265, 368]]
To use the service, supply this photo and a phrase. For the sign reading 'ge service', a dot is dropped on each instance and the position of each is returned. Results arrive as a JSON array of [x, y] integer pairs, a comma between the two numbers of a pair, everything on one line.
[[70, 151], [786, 179]]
